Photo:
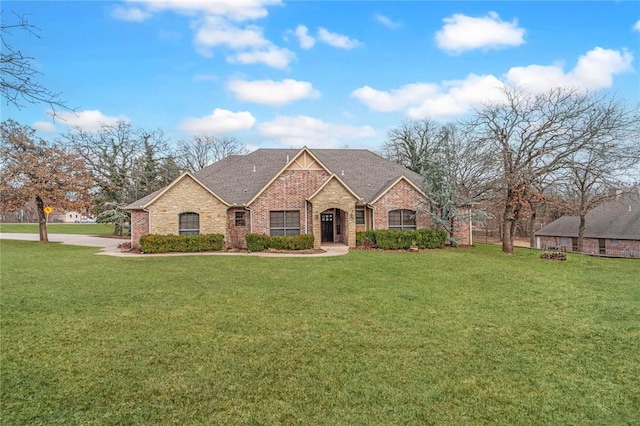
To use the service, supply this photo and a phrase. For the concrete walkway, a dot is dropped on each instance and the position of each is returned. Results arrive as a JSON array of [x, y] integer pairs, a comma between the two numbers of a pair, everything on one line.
[[109, 247]]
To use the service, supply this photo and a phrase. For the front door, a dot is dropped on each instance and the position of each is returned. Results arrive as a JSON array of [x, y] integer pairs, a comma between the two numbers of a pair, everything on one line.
[[327, 227]]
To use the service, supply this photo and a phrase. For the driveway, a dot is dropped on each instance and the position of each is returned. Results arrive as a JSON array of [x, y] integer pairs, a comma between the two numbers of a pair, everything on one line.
[[109, 247]]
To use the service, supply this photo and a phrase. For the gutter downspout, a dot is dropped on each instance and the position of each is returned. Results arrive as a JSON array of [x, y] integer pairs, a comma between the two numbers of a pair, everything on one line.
[[306, 219], [250, 219], [373, 217]]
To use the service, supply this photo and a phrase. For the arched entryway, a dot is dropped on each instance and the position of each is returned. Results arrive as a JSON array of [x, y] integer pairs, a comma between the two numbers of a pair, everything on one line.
[[333, 226]]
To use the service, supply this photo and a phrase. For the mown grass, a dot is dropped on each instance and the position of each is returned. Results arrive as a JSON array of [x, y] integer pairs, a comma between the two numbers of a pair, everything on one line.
[[59, 228], [438, 337]]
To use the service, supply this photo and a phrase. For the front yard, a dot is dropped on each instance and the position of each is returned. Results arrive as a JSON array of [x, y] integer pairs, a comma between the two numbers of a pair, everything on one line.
[[439, 337]]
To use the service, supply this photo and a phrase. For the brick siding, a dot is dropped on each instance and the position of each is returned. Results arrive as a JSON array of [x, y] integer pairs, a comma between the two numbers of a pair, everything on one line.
[[401, 196], [623, 248]]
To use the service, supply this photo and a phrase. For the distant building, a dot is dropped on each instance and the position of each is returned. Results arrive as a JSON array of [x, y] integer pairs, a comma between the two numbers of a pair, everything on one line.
[[611, 229]]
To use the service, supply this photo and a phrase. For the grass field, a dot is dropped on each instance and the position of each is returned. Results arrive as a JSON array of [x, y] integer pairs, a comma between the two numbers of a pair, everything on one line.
[[59, 228], [458, 336]]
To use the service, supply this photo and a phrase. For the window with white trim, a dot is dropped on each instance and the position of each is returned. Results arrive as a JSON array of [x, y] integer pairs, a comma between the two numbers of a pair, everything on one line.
[[286, 222], [189, 223], [402, 219]]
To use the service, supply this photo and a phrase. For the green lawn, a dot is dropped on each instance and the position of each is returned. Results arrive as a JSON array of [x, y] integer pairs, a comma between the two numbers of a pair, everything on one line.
[[462, 336], [59, 228]]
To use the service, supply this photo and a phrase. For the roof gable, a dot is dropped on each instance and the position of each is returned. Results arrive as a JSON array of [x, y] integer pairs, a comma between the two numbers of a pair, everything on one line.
[[326, 182], [394, 183], [153, 197]]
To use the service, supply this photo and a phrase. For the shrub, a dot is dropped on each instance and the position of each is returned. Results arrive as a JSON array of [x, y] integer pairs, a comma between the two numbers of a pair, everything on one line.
[[386, 239], [260, 242], [153, 243]]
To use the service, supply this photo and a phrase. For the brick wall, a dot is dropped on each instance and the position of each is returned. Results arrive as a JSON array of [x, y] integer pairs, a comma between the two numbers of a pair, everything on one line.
[[139, 227], [288, 192], [335, 195], [624, 248], [187, 196], [401, 196], [238, 233]]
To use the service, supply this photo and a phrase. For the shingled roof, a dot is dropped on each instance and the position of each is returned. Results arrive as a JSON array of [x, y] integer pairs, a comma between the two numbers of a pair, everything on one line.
[[618, 219], [239, 178]]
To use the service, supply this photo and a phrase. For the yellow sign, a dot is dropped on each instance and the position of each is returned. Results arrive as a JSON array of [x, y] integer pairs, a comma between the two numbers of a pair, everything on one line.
[[48, 210]]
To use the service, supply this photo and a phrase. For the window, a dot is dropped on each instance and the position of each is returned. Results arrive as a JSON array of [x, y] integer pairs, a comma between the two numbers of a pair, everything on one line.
[[359, 217], [189, 224], [574, 243], [240, 219], [402, 219], [284, 223]]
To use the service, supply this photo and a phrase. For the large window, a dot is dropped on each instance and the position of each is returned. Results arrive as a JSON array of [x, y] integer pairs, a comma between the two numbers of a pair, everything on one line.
[[189, 224], [284, 223], [402, 219]]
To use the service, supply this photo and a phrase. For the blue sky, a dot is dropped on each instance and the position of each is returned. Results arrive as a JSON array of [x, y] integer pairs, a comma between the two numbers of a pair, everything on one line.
[[324, 74]]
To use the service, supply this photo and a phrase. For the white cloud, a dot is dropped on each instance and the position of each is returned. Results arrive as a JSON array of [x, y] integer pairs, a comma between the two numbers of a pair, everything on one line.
[[45, 127], [217, 23], [219, 121], [337, 40], [306, 41], [302, 130], [216, 31], [458, 96], [131, 14], [387, 22], [90, 120], [269, 92], [594, 70], [461, 33], [273, 56], [396, 99], [636, 27], [236, 10]]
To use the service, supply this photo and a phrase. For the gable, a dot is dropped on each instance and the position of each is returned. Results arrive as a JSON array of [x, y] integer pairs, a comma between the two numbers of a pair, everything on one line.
[[402, 188], [185, 194], [305, 161]]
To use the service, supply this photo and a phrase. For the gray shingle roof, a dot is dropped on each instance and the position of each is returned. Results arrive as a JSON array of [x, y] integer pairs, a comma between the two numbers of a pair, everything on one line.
[[617, 219], [237, 179]]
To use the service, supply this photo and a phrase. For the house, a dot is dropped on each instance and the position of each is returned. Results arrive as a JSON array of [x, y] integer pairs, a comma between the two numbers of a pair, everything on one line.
[[330, 193], [611, 229]]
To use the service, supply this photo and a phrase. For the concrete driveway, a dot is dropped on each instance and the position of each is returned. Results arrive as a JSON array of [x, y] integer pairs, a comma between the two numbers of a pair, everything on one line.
[[109, 247]]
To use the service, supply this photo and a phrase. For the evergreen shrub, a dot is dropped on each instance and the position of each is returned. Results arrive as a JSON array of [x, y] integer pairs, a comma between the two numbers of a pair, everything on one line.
[[261, 242], [387, 239], [153, 243]]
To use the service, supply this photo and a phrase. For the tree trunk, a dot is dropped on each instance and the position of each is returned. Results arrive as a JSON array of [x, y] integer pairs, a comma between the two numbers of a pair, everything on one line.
[[42, 220], [532, 228], [508, 226], [118, 230], [581, 232]]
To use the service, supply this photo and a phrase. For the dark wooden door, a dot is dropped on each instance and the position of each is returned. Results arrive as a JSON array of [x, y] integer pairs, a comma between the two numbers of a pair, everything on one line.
[[327, 227]]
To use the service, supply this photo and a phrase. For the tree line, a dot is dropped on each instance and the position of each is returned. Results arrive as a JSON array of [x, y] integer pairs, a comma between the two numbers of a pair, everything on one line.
[[509, 159]]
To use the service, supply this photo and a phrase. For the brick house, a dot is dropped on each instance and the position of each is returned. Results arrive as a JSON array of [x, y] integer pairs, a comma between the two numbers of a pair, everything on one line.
[[611, 229], [331, 193]]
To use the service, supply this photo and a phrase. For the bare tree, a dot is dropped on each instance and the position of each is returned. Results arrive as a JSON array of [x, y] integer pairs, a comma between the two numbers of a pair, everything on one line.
[[595, 173], [33, 170], [124, 162], [534, 135], [202, 150], [412, 143], [18, 77]]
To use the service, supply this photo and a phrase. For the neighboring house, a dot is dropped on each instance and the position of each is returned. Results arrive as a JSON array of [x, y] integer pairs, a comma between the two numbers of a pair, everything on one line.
[[611, 229], [331, 193]]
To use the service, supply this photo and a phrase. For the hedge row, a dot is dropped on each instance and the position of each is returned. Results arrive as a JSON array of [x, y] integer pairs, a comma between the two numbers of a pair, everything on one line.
[[261, 242], [181, 243], [402, 240]]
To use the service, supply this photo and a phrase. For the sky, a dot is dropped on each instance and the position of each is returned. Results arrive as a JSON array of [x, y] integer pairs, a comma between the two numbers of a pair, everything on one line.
[[321, 74]]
